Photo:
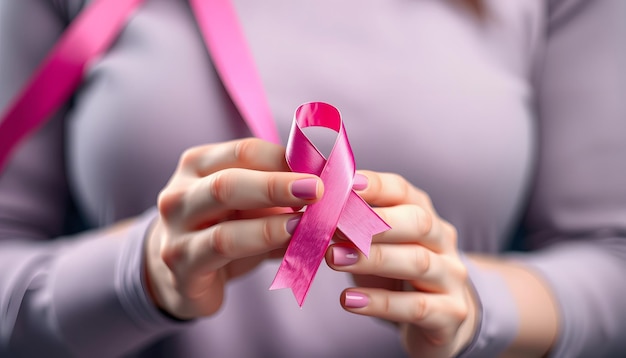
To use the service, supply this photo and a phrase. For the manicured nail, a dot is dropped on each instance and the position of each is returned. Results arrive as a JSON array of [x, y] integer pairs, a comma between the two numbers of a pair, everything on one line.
[[292, 224], [360, 182], [304, 188], [356, 300], [344, 256]]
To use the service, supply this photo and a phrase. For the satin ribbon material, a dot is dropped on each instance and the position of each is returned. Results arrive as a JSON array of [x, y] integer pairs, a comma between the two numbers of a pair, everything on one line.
[[340, 207], [97, 27], [60, 74], [225, 40], [92, 33]]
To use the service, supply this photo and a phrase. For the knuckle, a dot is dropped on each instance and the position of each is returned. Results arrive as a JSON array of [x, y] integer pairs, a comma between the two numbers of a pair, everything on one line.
[[386, 305], [170, 255], [460, 271], [397, 187], [424, 221], [375, 183], [422, 262], [246, 149], [173, 251], [405, 187], [459, 311], [420, 309], [169, 202], [423, 198], [451, 233], [189, 157], [221, 242], [378, 259], [456, 271], [221, 186], [272, 189], [267, 233]]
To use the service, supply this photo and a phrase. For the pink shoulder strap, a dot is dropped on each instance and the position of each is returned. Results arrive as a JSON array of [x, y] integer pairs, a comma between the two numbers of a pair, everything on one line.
[[93, 32], [231, 56]]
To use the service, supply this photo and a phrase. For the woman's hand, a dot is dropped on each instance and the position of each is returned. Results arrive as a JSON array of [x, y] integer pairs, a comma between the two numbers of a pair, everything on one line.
[[225, 209], [414, 275]]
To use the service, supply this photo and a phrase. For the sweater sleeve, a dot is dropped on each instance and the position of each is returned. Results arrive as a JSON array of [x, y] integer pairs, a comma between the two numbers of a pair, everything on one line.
[[577, 215], [575, 226], [60, 296]]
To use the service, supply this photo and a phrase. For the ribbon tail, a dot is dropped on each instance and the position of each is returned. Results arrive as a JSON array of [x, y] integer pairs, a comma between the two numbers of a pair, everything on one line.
[[306, 249], [339, 208], [358, 222], [289, 277]]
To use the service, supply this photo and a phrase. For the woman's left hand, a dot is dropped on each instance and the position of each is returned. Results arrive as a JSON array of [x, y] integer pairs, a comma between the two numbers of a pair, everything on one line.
[[414, 275]]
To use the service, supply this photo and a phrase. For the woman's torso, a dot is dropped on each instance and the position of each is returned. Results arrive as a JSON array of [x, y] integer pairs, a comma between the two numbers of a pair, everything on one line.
[[427, 90]]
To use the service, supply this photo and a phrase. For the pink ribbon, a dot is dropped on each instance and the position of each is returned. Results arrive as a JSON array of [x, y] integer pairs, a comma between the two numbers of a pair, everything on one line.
[[233, 60], [92, 33], [61, 72], [340, 207]]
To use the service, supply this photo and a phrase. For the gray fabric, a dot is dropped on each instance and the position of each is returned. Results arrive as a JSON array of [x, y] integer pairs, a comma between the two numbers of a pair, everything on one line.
[[520, 115]]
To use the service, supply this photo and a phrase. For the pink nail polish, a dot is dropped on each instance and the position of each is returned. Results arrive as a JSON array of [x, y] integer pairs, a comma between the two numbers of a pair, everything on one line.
[[304, 188], [292, 224], [360, 182], [344, 256], [356, 300]]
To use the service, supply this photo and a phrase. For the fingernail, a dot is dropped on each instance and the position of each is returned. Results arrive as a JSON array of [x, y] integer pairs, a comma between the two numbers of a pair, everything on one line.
[[304, 188], [356, 300], [344, 256], [292, 224], [360, 182]]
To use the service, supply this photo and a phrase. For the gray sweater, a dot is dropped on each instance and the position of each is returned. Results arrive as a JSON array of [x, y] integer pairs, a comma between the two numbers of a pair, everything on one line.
[[514, 124]]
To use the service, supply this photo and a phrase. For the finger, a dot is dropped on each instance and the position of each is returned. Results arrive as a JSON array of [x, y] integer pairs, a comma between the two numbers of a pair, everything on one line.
[[259, 213], [388, 189], [203, 262], [412, 224], [416, 264], [428, 311], [214, 247], [249, 153], [240, 189], [378, 282]]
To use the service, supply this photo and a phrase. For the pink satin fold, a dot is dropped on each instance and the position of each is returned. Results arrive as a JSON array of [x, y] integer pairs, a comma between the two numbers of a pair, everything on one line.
[[340, 207]]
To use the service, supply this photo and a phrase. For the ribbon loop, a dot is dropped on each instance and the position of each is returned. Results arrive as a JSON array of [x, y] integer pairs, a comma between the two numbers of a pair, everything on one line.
[[340, 207]]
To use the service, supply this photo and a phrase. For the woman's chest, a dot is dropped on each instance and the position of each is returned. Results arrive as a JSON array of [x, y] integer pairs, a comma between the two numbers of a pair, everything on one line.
[[425, 91]]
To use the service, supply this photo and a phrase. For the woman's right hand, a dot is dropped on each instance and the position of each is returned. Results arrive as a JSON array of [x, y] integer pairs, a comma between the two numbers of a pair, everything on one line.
[[224, 210]]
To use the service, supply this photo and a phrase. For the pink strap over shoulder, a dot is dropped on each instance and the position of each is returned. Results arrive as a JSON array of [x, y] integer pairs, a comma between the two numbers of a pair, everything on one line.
[[97, 27], [92, 33], [231, 56], [61, 72]]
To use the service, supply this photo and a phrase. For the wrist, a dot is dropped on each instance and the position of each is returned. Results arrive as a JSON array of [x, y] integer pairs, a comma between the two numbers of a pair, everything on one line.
[[496, 321], [153, 267], [467, 332]]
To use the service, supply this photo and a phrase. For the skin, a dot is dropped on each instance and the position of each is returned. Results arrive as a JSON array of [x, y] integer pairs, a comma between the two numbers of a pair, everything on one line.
[[437, 317], [414, 276]]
